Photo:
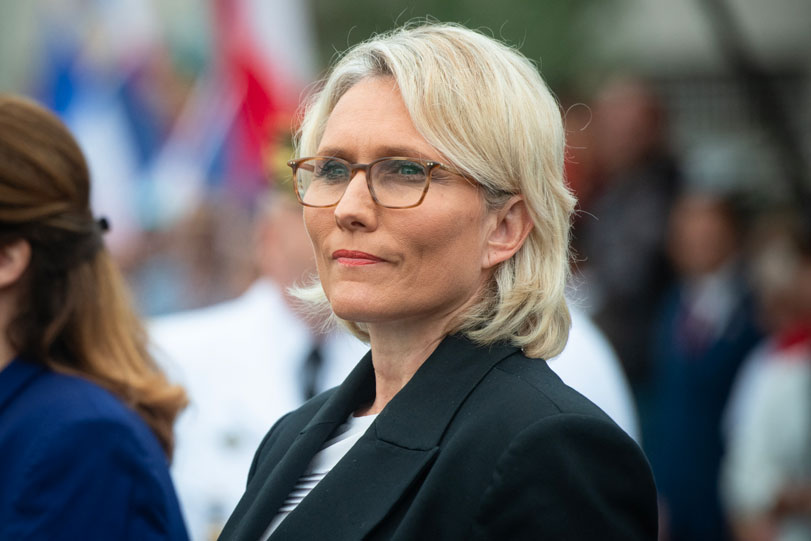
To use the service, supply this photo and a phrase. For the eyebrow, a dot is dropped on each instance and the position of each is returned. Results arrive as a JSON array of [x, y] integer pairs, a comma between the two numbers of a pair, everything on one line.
[[380, 152]]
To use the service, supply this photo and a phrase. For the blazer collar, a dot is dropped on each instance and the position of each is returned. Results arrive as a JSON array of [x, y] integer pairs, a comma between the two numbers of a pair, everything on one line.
[[358, 388], [417, 416], [402, 443], [15, 377]]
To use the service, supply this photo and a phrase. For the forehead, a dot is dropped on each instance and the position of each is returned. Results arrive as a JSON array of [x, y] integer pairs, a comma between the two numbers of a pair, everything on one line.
[[370, 119]]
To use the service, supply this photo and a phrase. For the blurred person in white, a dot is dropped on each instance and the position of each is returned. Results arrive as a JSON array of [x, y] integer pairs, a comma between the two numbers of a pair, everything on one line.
[[589, 365], [766, 476], [245, 363]]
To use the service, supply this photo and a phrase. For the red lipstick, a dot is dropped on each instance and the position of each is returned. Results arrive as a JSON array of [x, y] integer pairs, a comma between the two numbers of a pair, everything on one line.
[[353, 258]]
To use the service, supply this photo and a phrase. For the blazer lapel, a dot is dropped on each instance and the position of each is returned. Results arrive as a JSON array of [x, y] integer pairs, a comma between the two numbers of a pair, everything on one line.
[[399, 447], [357, 493], [276, 476], [417, 417]]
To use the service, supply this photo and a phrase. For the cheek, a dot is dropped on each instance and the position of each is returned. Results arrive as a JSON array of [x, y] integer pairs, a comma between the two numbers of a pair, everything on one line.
[[317, 225], [448, 247]]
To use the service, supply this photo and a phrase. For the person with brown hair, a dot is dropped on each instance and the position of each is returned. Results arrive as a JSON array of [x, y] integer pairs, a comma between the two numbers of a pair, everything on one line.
[[86, 414]]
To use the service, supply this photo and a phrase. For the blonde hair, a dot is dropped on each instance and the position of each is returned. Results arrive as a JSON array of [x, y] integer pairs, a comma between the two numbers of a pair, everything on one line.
[[485, 108], [75, 315]]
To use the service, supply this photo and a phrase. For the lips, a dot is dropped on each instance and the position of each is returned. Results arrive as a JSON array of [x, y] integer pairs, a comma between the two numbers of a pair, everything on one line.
[[355, 258]]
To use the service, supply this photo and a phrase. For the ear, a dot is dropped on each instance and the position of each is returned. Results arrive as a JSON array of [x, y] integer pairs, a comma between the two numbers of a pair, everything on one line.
[[513, 224], [14, 259]]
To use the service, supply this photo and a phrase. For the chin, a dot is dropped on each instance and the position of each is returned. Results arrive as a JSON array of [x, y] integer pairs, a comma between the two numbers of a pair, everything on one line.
[[358, 312], [355, 304]]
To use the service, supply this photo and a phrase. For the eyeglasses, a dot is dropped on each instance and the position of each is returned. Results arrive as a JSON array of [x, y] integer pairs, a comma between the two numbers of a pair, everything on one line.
[[395, 183]]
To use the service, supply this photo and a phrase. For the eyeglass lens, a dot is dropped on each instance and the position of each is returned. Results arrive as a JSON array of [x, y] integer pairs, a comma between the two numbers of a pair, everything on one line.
[[394, 182]]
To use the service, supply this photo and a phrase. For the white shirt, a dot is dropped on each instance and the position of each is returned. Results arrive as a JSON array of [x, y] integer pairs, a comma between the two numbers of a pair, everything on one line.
[[589, 365], [770, 444], [322, 463]]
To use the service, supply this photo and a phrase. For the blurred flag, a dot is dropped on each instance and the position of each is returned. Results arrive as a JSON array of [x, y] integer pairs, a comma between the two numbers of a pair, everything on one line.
[[266, 55], [81, 80], [152, 159], [262, 59]]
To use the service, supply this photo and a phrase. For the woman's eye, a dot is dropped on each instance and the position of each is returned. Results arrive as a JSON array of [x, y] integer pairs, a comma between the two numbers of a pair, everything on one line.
[[410, 169], [332, 170], [400, 170]]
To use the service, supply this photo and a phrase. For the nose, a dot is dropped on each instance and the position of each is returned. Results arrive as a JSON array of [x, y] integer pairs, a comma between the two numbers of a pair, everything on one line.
[[356, 210]]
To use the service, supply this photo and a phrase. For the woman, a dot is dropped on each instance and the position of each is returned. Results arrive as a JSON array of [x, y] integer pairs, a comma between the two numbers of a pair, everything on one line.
[[439, 217], [86, 415]]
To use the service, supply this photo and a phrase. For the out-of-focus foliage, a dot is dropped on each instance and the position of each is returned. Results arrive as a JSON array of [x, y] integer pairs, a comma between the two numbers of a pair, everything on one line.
[[546, 32]]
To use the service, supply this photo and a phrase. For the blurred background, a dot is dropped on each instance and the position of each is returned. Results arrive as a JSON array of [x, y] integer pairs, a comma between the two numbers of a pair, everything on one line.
[[689, 127]]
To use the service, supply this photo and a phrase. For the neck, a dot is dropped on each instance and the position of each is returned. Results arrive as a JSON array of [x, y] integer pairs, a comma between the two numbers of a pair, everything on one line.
[[396, 358], [398, 351]]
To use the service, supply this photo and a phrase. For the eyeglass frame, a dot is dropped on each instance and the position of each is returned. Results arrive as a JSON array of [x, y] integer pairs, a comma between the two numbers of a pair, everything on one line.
[[430, 165]]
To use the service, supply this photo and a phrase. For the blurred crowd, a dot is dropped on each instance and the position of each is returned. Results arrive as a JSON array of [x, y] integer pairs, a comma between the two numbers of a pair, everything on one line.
[[698, 276], [701, 283]]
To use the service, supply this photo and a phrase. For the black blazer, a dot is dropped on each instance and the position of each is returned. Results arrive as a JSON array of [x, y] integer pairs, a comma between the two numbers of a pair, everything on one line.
[[482, 443]]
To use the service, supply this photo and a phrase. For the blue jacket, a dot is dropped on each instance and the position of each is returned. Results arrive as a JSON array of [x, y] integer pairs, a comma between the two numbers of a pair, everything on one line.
[[75, 463], [682, 411]]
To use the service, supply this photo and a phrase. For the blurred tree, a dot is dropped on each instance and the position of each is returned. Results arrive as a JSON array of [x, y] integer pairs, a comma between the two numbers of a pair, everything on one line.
[[544, 31]]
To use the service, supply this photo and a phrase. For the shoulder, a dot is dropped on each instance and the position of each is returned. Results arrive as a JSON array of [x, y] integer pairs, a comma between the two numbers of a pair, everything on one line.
[[191, 345], [521, 401], [59, 420], [74, 452], [56, 411], [195, 334], [786, 373], [521, 384], [262, 300], [55, 400], [572, 475], [558, 464]]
